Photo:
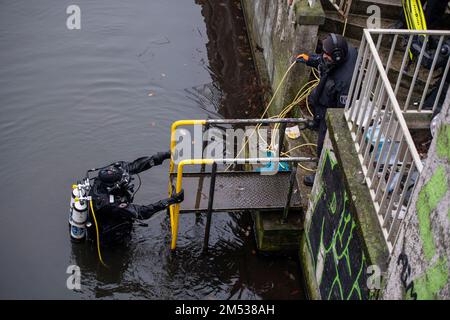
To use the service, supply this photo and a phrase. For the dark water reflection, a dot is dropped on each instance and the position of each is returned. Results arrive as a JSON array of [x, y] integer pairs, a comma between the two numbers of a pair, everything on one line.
[[72, 100]]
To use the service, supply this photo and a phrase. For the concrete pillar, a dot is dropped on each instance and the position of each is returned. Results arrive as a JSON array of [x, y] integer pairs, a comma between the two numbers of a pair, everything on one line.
[[279, 30], [419, 265]]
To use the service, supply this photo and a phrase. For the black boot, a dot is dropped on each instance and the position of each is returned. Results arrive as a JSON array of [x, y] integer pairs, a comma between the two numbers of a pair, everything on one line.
[[309, 180]]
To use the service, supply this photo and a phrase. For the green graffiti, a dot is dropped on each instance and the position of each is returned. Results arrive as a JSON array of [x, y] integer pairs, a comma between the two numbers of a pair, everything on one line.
[[434, 279], [332, 239], [338, 283], [443, 142], [332, 204], [355, 286], [428, 199]]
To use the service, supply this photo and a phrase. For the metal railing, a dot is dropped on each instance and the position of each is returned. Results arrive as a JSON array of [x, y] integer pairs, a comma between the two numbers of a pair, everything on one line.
[[342, 6], [415, 61], [174, 210], [390, 162]]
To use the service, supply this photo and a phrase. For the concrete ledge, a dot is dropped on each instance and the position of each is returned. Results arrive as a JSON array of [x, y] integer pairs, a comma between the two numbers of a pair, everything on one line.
[[306, 15], [273, 236], [311, 287], [416, 120], [361, 201]]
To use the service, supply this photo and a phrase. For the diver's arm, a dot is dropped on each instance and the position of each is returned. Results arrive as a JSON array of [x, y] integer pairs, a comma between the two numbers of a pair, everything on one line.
[[141, 212], [312, 60], [145, 163]]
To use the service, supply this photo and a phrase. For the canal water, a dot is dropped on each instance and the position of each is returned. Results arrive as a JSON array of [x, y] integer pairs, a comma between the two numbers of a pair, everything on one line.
[[76, 99]]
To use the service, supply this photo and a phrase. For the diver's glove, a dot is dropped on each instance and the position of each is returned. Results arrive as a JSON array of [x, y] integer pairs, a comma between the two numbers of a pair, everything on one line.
[[163, 156], [166, 155], [177, 197], [303, 58]]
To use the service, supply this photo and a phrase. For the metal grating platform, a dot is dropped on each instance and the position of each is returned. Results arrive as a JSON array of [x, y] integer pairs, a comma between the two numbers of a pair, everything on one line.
[[237, 191]]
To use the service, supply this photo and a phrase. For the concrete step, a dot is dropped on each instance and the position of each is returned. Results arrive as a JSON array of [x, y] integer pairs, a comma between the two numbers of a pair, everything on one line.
[[389, 9], [355, 24], [402, 94]]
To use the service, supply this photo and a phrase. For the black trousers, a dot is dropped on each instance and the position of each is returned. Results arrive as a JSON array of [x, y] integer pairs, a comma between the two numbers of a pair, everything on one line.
[[433, 13], [321, 136]]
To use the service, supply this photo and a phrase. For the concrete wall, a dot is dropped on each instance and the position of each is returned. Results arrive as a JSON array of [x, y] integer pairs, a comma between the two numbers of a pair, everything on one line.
[[342, 241], [279, 31], [419, 267]]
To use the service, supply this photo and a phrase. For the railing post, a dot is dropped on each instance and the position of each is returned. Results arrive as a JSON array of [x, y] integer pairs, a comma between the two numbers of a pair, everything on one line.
[[291, 188], [202, 168], [281, 137], [210, 206]]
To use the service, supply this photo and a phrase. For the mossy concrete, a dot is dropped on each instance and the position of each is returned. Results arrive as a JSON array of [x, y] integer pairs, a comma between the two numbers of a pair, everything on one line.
[[278, 32], [443, 142], [273, 236], [424, 235], [309, 276], [429, 197], [307, 15]]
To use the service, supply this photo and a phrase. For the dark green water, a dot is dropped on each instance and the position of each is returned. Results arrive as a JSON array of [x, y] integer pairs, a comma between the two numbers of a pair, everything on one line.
[[76, 99]]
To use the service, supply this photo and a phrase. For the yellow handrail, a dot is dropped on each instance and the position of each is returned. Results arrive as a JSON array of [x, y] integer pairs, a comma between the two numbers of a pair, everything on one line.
[[173, 142], [175, 208]]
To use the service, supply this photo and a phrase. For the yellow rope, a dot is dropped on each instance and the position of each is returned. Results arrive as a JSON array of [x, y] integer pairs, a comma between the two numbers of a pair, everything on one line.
[[265, 111], [299, 97], [98, 235], [345, 27], [301, 146], [303, 93], [314, 70], [297, 147]]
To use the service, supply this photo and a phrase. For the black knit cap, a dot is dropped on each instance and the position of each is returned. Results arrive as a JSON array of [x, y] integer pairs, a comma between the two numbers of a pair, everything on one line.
[[329, 46]]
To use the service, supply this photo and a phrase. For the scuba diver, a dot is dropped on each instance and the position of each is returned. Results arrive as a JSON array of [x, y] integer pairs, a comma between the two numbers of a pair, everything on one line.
[[335, 65], [102, 208]]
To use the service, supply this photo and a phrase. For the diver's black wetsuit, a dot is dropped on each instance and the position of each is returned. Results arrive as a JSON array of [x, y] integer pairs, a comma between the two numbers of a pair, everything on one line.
[[112, 197], [332, 90]]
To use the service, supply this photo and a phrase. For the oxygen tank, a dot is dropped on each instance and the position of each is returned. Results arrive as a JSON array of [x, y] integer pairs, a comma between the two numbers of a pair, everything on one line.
[[78, 214]]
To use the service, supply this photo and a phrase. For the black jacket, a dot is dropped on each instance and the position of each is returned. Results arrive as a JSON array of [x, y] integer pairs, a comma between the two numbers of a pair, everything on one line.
[[114, 210], [332, 90]]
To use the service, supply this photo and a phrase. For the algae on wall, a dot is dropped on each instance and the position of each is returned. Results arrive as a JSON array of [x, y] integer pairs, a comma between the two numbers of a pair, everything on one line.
[[420, 263], [279, 32]]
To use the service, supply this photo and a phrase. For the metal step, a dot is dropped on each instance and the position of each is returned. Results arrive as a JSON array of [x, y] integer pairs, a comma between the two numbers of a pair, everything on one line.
[[238, 191]]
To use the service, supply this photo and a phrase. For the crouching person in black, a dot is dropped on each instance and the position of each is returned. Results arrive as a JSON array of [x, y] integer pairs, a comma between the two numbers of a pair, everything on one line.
[[336, 65], [112, 197]]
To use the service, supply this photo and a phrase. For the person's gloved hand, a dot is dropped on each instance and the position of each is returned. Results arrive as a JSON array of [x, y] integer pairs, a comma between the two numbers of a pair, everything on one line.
[[303, 58], [178, 197], [164, 155]]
